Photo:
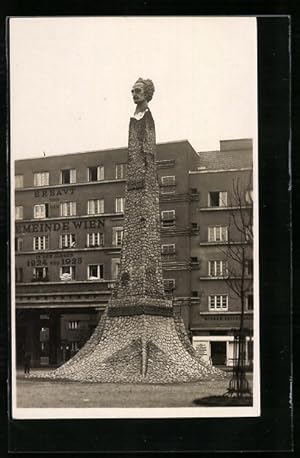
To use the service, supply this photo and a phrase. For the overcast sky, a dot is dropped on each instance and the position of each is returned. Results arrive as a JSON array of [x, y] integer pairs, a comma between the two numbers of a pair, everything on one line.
[[71, 80]]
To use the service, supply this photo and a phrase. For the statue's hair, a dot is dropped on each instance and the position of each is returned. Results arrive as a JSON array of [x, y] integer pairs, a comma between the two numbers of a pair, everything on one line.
[[148, 88]]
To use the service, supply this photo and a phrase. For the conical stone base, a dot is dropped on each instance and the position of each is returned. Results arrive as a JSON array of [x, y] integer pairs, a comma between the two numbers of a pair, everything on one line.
[[136, 349]]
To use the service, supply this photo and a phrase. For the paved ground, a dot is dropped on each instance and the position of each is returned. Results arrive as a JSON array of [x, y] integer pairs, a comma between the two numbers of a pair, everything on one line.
[[35, 393]]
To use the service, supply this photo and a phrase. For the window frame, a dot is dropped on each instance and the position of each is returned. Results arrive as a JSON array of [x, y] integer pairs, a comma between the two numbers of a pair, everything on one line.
[[249, 272], [19, 212], [170, 289], [71, 272], [98, 277], [120, 200], [41, 179], [19, 275], [19, 177], [19, 244], [94, 236], [168, 222], [73, 324], [223, 229], [70, 238], [251, 309], [165, 251], [44, 269], [215, 308], [222, 199], [98, 204], [122, 167], [213, 268], [115, 231], [42, 240], [72, 176], [114, 269], [44, 210], [99, 173], [71, 206], [164, 180]]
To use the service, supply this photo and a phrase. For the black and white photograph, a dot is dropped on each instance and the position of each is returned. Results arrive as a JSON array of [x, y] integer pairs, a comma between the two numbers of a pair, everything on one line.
[[134, 197]]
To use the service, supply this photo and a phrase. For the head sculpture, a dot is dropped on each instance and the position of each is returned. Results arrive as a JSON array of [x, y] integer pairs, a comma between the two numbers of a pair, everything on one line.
[[142, 90]]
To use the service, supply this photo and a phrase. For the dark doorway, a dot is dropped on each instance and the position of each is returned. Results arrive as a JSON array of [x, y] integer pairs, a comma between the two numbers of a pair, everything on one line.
[[218, 353]]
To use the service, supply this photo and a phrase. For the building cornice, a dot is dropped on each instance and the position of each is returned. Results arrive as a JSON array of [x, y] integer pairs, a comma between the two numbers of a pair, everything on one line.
[[243, 207], [241, 169]]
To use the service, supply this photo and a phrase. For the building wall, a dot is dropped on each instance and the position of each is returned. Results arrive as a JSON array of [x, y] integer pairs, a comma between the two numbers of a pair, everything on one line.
[[195, 176]]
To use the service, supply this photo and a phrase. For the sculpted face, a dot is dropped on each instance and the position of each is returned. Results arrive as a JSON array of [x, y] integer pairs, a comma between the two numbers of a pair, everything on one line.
[[138, 93]]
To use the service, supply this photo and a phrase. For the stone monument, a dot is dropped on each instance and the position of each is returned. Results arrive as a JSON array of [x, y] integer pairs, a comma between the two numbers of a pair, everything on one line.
[[139, 338]]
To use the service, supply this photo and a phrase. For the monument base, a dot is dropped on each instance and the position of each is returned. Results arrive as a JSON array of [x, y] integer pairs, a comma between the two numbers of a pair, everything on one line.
[[136, 349]]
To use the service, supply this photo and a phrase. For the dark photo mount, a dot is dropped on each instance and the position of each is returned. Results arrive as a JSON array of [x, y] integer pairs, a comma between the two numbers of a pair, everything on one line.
[[271, 431]]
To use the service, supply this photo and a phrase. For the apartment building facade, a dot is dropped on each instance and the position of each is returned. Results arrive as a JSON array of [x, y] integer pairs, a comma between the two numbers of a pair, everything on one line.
[[69, 213]]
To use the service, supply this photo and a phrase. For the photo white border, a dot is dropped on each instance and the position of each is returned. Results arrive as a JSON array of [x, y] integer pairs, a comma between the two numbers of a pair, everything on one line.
[[151, 412]]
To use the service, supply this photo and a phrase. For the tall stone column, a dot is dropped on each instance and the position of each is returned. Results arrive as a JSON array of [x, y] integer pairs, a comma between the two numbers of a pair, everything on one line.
[[140, 283], [139, 337]]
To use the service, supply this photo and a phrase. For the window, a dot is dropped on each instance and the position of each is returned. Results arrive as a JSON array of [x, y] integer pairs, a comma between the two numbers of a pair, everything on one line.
[[41, 211], [67, 241], [19, 274], [68, 209], [249, 233], [249, 267], [218, 302], [18, 244], [117, 236], [19, 181], [121, 170], [67, 273], [249, 302], [217, 268], [249, 196], [41, 242], [95, 206], [168, 218], [168, 180], [19, 212], [218, 234], [96, 173], [95, 239], [68, 176], [74, 324], [95, 272], [41, 179], [217, 199], [169, 285], [194, 293], [40, 273], [168, 249], [115, 268], [120, 204], [74, 346]]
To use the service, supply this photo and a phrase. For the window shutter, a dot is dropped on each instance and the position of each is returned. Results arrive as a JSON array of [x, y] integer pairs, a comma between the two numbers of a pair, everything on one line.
[[223, 199], [73, 176]]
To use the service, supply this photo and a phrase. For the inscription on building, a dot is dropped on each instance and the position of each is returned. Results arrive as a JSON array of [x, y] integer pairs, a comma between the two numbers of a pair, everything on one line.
[[53, 192], [59, 226], [39, 262]]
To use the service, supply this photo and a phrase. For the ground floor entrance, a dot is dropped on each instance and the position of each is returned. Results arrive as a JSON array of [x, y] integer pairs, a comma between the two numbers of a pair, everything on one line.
[[220, 350], [51, 337], [218, 353]]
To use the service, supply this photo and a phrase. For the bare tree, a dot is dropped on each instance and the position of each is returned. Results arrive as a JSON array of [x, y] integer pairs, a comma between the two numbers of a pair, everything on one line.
[[238, 252]]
